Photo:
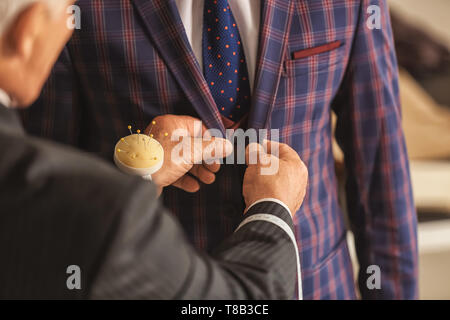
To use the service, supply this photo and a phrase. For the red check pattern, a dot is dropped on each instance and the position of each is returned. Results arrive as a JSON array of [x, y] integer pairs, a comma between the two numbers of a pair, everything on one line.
[[132, 61]]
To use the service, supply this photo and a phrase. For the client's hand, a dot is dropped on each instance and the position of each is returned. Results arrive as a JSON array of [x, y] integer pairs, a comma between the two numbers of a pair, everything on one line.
[[189, 152], [287, 182]]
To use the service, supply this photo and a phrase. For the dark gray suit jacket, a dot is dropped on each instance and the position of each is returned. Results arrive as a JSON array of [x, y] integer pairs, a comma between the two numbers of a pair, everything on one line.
[[60, 208]]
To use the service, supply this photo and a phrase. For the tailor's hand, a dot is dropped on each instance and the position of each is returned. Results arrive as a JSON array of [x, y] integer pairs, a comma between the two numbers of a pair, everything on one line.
[[201, 162], [287, 184]]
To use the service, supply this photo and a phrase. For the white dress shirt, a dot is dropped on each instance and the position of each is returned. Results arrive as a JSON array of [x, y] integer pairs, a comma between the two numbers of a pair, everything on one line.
[[247, 14], [5, 99]]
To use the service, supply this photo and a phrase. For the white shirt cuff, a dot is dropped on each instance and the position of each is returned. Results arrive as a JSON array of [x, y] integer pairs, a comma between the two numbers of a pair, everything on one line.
[[281, 203]]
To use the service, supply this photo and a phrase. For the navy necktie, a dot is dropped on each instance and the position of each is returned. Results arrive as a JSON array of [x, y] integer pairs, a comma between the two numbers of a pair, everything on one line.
[[224, 64]]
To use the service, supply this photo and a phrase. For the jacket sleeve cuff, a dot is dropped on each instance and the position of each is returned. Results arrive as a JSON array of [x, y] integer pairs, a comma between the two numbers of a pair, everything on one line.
[[273, 207]]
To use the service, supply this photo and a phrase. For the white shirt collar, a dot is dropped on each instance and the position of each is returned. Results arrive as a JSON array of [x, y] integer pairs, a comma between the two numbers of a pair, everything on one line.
[[5, 99]]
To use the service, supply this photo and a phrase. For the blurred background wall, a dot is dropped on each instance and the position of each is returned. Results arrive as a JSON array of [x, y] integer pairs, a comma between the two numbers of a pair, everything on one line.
[[422, 39]]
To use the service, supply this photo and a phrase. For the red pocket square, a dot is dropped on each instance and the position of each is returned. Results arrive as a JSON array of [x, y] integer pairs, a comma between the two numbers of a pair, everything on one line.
[[230, 124], [316, 50]]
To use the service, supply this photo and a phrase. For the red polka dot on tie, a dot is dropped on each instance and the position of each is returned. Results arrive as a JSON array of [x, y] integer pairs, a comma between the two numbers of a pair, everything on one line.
[[224, 10], [209, 11], [237, 89], [231, 99], [217, 20], [227, 46], [239, 43], [234, 53], [223, 109], [230, 81], [242, 60], [210, 65], [228, 64], [226, 28], [209, 29], [217, 38], [234, 24], [238, 107], [244, 78], [222, 91], [212, 83], [219, 56], [220, 73], [209, 48], [235, 71], [232, 35]]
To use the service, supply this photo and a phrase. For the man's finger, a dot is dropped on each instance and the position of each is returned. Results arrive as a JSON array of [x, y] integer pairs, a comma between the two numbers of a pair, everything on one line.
[[203, 174], [253, 153], [194, 126], [209, 151], [272, 147], [188, 184], [280, 150], [214, 167]]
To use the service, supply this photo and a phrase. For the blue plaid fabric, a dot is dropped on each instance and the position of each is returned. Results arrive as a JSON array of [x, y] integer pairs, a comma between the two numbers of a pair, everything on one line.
[[224, 64], [132, 60]]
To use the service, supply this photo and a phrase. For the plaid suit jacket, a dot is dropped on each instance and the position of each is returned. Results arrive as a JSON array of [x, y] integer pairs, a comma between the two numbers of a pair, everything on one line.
[[131, 61]]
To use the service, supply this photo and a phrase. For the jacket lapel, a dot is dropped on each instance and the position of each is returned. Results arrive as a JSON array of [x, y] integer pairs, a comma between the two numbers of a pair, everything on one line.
[[275, 22], [164, 24]]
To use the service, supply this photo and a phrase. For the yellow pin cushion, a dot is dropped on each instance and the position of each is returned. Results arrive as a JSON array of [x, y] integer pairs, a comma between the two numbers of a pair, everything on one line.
[[139, 154]]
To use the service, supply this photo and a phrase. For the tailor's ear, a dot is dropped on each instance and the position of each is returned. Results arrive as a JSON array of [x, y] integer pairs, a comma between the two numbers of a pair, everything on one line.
[[20, 37]]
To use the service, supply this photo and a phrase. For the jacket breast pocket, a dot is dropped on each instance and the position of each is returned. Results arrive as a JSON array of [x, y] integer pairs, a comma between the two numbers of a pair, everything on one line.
[[323, 58]]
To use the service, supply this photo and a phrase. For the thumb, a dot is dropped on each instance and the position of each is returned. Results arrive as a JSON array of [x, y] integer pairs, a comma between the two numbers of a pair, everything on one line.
[[272, 147], [280, 150], [210, 150], [253, 152]]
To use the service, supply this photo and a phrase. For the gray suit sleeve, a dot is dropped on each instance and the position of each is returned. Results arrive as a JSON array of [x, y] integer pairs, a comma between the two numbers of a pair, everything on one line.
[[151, 259]]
